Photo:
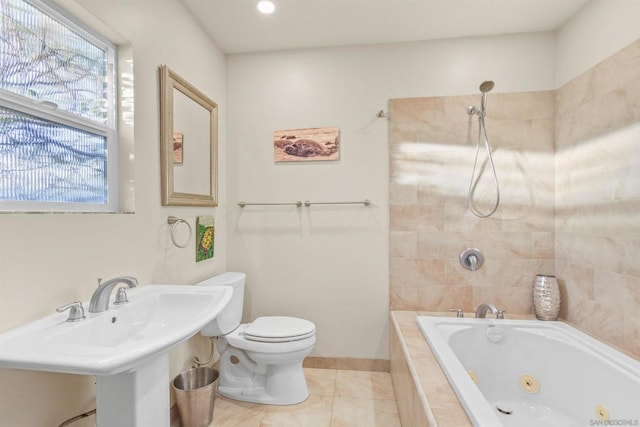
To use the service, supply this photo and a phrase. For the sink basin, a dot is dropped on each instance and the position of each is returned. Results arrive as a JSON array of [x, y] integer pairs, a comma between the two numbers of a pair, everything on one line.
[[157, 318], [126, 348]]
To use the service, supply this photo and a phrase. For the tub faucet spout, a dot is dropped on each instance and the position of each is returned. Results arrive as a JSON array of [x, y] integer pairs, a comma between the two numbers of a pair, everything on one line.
[[481, 312], [100, 298]]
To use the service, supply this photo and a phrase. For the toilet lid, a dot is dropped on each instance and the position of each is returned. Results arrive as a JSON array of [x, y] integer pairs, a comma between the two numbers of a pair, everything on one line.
[[279, 329]]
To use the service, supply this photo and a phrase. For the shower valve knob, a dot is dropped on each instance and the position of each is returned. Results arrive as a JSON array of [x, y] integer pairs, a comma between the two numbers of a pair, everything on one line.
[[471, 259]]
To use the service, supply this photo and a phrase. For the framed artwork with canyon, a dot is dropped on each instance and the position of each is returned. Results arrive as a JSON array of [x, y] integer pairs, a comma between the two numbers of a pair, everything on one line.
[[304, 145]]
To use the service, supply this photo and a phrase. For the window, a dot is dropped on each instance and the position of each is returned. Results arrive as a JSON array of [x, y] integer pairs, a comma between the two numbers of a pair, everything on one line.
[[58, 145]]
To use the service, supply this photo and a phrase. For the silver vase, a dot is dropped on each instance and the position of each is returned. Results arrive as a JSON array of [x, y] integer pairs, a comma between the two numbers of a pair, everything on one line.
[[546, 297]]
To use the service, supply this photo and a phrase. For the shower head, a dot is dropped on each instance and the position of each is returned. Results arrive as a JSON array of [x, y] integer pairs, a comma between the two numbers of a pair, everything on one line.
[[486, 86]]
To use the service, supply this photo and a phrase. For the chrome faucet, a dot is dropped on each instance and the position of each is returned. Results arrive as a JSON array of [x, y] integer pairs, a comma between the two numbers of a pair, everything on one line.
[[481, 311], [100, 298]]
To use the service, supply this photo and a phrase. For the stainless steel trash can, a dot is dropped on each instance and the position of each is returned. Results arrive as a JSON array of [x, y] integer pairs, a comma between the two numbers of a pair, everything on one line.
[[195, 391]]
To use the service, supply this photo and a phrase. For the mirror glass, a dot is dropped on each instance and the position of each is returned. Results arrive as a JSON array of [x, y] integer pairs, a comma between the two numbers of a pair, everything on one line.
[[188, 135]]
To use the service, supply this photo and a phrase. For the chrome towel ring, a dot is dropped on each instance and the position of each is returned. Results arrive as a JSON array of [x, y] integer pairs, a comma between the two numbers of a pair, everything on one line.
[[177, 221]]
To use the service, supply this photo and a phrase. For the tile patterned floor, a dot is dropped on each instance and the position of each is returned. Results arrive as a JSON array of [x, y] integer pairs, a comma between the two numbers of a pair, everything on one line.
[[337, 398]]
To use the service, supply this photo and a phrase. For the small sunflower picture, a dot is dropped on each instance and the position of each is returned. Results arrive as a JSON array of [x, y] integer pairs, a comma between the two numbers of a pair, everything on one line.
[[205, 232]]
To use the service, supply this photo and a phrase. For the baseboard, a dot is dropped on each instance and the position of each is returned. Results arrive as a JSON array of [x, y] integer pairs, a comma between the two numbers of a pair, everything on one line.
[[347, 363]]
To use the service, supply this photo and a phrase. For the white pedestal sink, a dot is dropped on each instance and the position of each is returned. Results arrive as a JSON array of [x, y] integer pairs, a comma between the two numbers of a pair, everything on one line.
[[125, 347]]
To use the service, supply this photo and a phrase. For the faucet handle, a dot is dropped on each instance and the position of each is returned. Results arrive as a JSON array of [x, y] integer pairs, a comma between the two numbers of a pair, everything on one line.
[[459, 312], [76, 311], [121, 296], [500, 314]]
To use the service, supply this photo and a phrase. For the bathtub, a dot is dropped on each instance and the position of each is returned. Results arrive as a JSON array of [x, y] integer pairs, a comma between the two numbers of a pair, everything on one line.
[[533, 373]]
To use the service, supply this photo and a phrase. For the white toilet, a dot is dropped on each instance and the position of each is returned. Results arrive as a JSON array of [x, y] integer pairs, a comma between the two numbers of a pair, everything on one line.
[[260, 362]]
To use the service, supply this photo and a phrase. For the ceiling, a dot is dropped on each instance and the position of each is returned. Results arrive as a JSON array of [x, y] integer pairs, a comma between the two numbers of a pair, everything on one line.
[[236, 26]]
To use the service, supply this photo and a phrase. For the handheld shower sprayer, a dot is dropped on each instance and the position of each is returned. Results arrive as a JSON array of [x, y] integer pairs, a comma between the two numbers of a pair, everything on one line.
[[485, 88]]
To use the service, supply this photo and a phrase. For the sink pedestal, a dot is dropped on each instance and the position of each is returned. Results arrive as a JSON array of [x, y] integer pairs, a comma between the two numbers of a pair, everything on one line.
[[138, 398]]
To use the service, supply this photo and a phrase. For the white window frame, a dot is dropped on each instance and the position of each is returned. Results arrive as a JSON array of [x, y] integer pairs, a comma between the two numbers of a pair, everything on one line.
[[43, 111]]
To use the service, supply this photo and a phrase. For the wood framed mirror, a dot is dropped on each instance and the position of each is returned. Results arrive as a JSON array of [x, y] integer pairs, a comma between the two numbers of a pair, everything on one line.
[[188, 143]]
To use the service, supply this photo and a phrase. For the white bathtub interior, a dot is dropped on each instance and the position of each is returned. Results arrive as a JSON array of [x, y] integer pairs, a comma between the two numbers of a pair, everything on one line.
[[533, 373]]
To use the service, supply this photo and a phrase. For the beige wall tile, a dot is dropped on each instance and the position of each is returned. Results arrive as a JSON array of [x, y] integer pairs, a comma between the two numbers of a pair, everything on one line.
[[403, 193], [617, 292], [543, 244], [409, 403], [633, 95], [403, 243], [416, 378], [416, 218], [568, 163], [618, 71], [631, 266], [631, 335], [521, 217], [404, 272], [600, 320], [498, 272], [545, 136], [603, 252], [445, 297], [403, 298], [504, 245], [533, 105], [511, 299], [576, 285], [442, 244], [417, 347], [430, 271]]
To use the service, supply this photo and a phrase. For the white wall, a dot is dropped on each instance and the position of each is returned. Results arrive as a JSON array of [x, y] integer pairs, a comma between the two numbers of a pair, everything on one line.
[[330, 264], [598, 30], [47, 260]]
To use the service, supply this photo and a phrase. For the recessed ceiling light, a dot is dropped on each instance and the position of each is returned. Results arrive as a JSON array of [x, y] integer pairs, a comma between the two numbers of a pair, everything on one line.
[[266, 6]]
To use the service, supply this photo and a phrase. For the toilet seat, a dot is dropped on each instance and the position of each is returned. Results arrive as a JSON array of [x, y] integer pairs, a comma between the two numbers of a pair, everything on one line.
[[277, 329], [238, 339]]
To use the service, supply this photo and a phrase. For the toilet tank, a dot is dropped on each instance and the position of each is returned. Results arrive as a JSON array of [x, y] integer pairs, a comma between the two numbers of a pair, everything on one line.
[[230, 316]]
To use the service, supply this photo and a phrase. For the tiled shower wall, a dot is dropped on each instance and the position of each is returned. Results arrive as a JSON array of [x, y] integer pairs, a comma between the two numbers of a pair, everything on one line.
[[432, 148], [568, 162], [598, 199]]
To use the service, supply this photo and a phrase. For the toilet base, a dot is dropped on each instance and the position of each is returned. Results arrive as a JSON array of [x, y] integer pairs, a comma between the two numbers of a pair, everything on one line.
[[258, 396], [247, 381]]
